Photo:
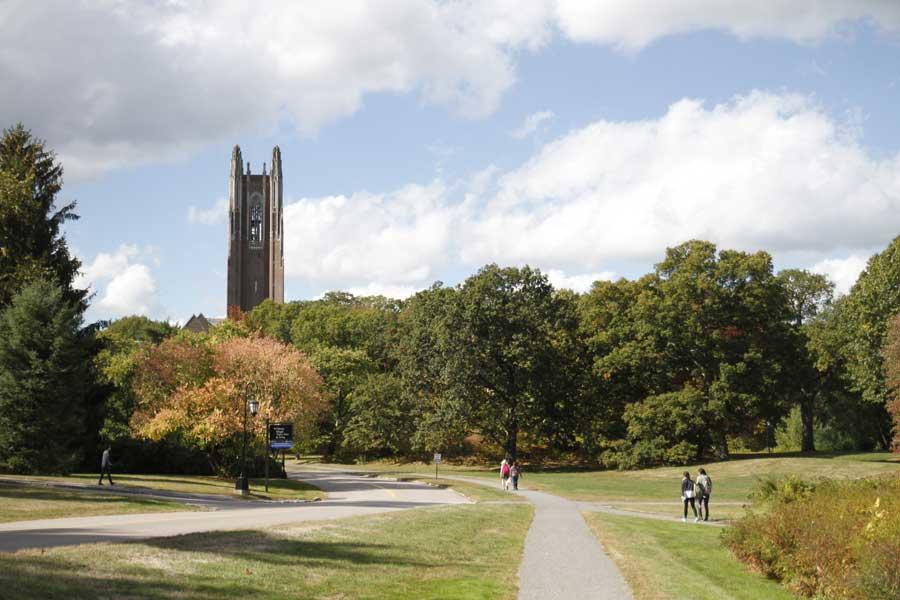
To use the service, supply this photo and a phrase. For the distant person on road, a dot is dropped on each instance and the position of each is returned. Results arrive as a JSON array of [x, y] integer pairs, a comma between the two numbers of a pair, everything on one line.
[[704, 491], [504, 474], [687, 496], [106, 467], [514, 472]]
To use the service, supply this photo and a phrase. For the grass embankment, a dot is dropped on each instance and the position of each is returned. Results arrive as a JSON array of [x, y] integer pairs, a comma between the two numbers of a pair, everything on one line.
[[473, 491], [20, 503], [279, 489], [460, 552], [671, 561]]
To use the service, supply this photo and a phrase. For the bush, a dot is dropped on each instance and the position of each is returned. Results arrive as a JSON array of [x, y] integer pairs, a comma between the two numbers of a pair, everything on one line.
[[830, 540]]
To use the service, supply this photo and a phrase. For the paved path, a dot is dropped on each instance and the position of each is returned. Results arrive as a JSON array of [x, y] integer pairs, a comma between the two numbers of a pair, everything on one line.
[[349, 495]]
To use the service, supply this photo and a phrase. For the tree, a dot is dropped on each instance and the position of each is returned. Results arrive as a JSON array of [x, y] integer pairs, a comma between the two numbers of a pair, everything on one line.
[[808, 294], [891, 354], [31, 245], [195, 390], [42, 381], [380, 418], [500, 344], [872, 301]]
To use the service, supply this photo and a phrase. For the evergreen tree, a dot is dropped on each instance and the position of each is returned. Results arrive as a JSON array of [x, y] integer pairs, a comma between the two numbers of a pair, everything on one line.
[[31, 244], [43, 364]]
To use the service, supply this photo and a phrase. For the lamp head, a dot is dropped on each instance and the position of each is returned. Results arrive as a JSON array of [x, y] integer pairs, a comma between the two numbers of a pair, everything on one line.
[[254, 407]]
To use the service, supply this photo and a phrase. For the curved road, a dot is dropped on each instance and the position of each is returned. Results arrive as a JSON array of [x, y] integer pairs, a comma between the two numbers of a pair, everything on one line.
[[348, 495]]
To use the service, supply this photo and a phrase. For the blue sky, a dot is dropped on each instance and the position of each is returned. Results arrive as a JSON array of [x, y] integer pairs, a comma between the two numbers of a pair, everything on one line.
[[422, 140]]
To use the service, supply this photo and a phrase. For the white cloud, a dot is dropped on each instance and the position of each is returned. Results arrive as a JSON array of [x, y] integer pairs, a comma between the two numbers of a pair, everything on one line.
[[579, 283], [842, 271], [764, 171], [122, 285], [214, 215], [400, 292], [126, 83], [631, 25], [531, 124]]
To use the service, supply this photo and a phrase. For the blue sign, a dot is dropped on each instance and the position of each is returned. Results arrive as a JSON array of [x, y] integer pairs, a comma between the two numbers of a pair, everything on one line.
[[281, 436]]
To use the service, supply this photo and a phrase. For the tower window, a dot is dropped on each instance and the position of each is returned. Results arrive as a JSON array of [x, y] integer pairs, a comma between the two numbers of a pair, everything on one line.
[[256, 223]]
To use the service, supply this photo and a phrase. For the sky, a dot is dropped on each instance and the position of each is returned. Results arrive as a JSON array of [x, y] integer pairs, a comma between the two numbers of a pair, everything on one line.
[[423, 139]]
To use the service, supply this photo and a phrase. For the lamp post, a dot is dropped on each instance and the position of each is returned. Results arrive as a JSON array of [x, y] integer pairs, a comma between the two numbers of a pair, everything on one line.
[[242, 486]]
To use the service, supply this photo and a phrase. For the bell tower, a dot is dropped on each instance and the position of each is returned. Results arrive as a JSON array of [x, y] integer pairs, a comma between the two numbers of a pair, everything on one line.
[[255, 243]]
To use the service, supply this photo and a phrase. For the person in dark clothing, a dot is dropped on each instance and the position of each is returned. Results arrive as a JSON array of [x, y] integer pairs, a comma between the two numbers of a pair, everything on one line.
[[704, 491], [106, 467], [687, 496], [514, 472]]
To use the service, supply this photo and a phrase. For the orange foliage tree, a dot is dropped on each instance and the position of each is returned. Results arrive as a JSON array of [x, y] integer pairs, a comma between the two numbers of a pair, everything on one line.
[[892, 372], [193, 389]]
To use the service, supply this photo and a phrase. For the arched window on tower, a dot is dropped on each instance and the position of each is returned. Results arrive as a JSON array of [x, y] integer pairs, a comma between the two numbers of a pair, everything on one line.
[[256, 223]]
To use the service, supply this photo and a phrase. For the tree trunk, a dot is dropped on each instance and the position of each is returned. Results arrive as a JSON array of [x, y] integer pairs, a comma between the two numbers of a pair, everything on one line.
[[511, 443], [807, 441]]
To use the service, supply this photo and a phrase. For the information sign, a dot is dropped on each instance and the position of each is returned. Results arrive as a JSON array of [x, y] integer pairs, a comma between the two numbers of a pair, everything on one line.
[[281, 436]]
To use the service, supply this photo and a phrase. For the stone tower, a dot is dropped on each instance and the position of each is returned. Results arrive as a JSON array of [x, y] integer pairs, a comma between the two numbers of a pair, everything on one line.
[[255, 244]]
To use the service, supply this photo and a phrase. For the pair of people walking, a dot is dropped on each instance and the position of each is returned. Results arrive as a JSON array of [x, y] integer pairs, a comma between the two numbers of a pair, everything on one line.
[[509, 474], [696, 493]]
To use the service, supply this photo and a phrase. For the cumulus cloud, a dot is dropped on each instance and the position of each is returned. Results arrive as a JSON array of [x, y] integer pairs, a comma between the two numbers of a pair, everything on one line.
[[112, 84], [123, 285], [215, 215], [842, 271], [578, 283], [531, 124], [763, 171]]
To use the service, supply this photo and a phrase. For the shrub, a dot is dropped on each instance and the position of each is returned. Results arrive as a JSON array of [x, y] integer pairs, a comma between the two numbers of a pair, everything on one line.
[[831, 540]]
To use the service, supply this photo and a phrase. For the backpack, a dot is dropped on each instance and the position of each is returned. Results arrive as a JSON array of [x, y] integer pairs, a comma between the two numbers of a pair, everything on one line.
[[504, 470], [706, 486]]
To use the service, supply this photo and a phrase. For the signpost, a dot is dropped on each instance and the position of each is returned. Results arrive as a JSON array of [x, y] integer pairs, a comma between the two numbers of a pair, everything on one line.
[[437, 461], [279, 436]]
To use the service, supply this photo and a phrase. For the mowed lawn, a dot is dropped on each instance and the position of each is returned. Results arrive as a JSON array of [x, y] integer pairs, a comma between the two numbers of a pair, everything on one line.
[[21, 503], [733, 480], [279, 489], [459, 552], [662, 560]]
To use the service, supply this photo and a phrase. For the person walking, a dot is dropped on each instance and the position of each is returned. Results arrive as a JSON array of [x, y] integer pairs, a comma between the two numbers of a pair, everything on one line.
[[514, 472], [504, 474], [687, 496], [704, 491], [106, 466]]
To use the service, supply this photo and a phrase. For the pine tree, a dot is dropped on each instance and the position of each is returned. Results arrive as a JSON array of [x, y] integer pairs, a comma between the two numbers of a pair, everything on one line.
[[43, 363]]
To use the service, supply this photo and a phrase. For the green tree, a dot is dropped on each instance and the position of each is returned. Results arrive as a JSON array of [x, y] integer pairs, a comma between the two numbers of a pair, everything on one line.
[[380, 420], [31, 244], [808, 294], [43, 364], [891, 354], [872, 301], [500, 344]]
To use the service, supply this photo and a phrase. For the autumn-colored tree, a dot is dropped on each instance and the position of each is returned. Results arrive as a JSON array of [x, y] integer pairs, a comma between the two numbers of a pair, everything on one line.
[[195, 389]]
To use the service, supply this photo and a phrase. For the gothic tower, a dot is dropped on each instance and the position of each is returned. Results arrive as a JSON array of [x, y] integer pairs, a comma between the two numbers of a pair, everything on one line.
[[255, 244]]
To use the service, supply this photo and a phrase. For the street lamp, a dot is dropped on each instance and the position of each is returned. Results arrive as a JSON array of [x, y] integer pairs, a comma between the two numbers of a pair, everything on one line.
[[242, 485]]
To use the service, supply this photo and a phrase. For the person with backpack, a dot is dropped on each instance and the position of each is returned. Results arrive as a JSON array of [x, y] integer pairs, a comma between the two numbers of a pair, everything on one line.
[[504, 474], [514, 472], [704, 491], [687, 496]]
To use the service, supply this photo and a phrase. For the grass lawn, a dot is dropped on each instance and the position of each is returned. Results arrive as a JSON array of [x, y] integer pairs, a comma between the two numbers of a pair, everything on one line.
[[718, 512], [20, 503], [279, 489], [459, 552], [733, 480], [670, 561]]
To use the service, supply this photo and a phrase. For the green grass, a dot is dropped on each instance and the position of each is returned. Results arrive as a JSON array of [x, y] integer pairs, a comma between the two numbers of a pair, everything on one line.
[[671, 561], [21, 503], [733, 480], [279, 489], [461, 552]]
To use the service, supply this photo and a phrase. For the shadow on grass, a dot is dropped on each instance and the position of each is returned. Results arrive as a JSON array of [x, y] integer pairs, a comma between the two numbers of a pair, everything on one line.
[[235, 572], [20, 492]]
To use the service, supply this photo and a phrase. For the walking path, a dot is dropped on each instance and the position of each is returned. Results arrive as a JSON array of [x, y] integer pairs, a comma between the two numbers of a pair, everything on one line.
[[349, 495]]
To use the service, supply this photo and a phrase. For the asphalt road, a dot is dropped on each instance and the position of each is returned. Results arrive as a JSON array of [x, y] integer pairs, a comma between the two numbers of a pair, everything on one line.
[[348, 495]]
